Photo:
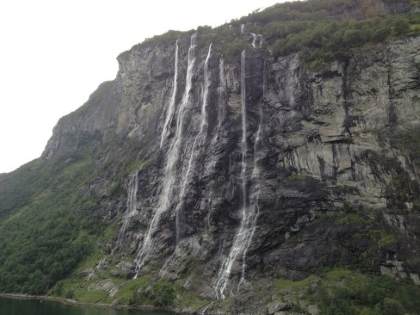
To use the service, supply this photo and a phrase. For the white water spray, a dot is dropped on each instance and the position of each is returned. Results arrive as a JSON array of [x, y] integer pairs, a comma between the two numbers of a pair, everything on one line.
[[200, 136], [243, 233], [256, 40], [171, 106], [170, 169]]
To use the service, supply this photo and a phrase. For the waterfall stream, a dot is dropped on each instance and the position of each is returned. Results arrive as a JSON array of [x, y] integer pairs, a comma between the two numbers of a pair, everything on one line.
[[221, 116], [243, 233], [253, 211], [221, 108], [199, 139], [131, 207], [256, 40], [171, 106], [172, 157]]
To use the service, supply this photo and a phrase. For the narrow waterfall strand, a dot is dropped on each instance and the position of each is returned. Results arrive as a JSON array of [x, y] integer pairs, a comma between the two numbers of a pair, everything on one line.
[[171, 106], [254, 209], [131, 207], [256, 40], [221, 113], [243, 233]]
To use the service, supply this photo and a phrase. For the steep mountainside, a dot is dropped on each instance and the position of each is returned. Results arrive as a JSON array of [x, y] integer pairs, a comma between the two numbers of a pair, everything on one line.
[[244, 169]]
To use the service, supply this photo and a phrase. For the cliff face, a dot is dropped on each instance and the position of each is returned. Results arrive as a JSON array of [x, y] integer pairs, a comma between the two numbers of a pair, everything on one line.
[[250, 169]]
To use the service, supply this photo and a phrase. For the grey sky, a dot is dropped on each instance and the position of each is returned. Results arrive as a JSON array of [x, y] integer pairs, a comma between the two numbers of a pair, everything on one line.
[[55, 53]]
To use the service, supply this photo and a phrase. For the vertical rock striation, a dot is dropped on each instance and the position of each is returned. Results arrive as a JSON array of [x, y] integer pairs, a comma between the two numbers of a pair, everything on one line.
[[253, 152]]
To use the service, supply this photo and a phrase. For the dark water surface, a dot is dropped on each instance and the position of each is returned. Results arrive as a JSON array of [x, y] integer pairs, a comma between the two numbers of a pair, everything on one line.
[[12, 306]]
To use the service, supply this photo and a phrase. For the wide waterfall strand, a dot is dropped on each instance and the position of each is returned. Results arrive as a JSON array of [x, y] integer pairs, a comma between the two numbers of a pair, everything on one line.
[[172, 157], [171, 106], [243, 233], [131, 207], [200, 136]]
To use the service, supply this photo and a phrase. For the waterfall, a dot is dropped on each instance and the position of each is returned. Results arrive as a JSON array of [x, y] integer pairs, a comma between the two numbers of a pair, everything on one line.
[[254, 210], [131, 207], [221, 111], [243, 234], [172, 157], [171, 106], [256, 40], [221, 116], [200, 136], [242, 28], [207, 82]]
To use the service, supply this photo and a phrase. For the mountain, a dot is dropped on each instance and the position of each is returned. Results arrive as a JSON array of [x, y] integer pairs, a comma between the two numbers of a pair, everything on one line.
[[267, 166]]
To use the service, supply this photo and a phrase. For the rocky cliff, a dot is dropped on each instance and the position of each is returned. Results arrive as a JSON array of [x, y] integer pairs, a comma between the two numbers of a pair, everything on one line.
[[229, 180], [254, 168]]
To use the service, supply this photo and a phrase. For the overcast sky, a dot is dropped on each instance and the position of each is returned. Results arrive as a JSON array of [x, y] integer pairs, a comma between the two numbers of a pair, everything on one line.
[[54, 54]]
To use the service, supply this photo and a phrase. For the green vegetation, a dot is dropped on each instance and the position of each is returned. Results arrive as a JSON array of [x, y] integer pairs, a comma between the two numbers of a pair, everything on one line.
[[284, 284], [347, 292], [367, 242], [46, 237], [50, 211], [50, 215], [319, 42], [342, 291], [363, 242], [319, 30], [166, 38], [143, 291], [160, 295]]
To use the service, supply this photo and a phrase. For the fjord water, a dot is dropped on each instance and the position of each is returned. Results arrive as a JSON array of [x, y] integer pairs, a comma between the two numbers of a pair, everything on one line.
[[11, 306]]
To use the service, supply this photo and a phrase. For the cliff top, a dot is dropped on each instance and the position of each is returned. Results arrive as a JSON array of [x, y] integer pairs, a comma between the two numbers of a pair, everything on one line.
[[320, 30]]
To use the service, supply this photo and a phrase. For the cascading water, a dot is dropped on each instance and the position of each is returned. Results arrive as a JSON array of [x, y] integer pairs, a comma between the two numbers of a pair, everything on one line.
[[221, 111], [254, 210], [199, 138], [171, 106], [256, 184], [207, 82], [131, 207], [221, 115], [256, 40], [243, 234], [172, 157]]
